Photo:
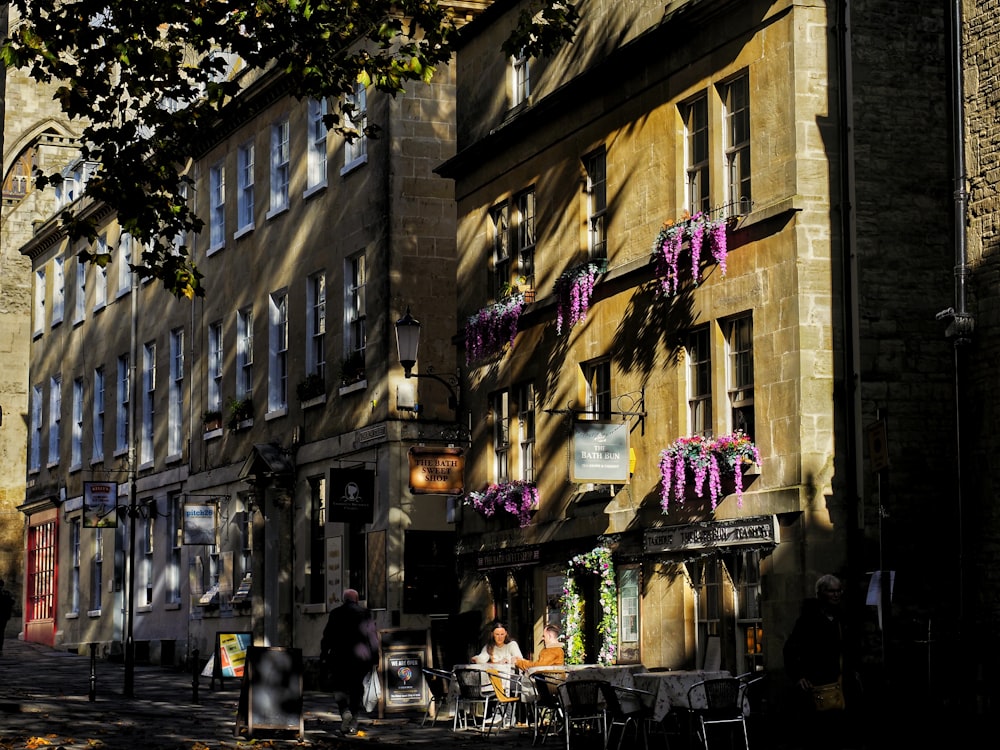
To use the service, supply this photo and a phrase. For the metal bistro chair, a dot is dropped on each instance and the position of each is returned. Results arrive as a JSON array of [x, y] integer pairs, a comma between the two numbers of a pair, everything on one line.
[[548, 711], [583, 708], [618, 716], [506, 696], [724, 702], [470, 696], [438, 681]]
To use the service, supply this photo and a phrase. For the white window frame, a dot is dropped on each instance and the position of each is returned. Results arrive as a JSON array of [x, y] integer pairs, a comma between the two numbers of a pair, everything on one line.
[[215, 365], [75, 528], [148, 402], [500, 215], [520, 72], [736, 134], [148, 569], [101, 276], [58, 290], [39, 302], [35, 454], [55, 418], [277, 366], [355, 314], [698, 353], [316, 324], [597, 381], [740, 373], [244, 189], [175, 532], [217, 206], [597, 204], [123, 396], [500, 408], [125, 274], [280, 167], [76, 439], [80, 298], [244, 353], [526, 408], [697, 149], [316, 141], [175, 408], [98, 408], [356, 150]]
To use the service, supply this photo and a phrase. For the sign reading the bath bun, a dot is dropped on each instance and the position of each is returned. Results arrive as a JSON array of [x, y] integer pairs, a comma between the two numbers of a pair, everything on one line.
[[437, 471]]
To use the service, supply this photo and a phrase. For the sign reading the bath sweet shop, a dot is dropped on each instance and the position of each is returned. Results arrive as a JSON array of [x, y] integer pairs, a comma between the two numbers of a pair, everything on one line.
[[437, 471]]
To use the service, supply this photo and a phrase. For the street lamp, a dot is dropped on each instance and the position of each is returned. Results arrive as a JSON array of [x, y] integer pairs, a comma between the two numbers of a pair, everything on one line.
[[407, 343]]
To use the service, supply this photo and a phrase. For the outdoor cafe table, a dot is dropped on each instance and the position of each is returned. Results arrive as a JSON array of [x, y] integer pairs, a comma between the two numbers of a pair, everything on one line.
[[670, 689]]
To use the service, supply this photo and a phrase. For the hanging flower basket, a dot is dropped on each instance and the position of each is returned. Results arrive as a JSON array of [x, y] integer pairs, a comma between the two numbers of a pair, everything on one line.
[[574, 289], [704, 459], [517, 498], [670, 241], [598, 562], [492, 328]]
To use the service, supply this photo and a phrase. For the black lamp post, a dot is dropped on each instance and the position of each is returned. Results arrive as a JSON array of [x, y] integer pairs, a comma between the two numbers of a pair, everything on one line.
[[407, 343]]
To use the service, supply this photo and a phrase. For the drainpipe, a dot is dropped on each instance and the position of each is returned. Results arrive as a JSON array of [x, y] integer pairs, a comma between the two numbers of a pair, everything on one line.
[[851, 384], [961, 322]]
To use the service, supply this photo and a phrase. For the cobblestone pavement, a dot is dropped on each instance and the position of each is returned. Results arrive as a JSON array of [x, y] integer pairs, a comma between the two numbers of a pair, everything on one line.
[[45, 701]]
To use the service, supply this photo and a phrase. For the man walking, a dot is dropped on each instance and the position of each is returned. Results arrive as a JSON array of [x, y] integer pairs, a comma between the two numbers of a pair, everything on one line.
[[6, 610], [348, 652]]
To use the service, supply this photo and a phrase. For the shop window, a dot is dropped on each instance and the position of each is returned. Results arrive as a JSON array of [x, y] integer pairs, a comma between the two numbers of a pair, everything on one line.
[[628, 614]]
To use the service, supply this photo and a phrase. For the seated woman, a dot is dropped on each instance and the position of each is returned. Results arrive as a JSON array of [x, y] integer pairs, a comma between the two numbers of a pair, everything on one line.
[[550, 656], [500, 649]]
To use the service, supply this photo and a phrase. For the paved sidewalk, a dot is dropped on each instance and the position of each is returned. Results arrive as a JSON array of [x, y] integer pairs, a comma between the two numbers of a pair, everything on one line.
[[45, 702]]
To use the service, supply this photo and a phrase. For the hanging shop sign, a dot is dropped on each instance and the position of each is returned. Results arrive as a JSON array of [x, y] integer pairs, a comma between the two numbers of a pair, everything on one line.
[[199, 522], [352, 495], [695, 536], [600, 452], [437, 471], [100, 501]]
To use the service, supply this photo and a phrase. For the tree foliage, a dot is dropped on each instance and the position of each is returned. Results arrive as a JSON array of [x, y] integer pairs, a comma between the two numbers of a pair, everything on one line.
[[149, 78]]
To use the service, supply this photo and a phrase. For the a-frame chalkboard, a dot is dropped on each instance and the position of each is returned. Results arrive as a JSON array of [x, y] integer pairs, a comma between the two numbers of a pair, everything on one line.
[[271, 692]]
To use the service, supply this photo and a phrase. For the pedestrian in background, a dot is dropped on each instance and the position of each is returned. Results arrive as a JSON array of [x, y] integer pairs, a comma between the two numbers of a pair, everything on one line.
[[348, 652], [6, 610], [820, 667]]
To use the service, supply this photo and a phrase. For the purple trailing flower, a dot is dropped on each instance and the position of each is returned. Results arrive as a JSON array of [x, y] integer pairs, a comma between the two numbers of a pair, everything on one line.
[[707, 459], [669, 244], [574, 289], [517, 497], [492, 328]]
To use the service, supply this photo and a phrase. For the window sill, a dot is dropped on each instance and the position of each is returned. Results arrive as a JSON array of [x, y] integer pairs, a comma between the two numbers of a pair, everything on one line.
[[72, 615], [173, 458], [319, 187], [212, 434], [281, 411], [123, 292], [353, 387], [278, 211], [146, 465], [241, 425], [313, 609], [99, 307], [314, 401], [244, 231], [51, 464], [172, 606], [119, 452], [93, 613], [78, 322], [351, 166], [144, 608], [75, 468], [215, 248], [97, 460]]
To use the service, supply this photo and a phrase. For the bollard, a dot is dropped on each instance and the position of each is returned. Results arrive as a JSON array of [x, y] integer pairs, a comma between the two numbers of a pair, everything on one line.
[[194, 677], [93, 672]]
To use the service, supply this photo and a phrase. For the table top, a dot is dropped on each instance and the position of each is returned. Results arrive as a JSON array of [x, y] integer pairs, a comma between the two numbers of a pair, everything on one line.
[[670, 689]]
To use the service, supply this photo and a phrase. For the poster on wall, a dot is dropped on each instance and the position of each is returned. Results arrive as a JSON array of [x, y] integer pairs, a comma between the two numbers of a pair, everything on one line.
[[100, 503], [199, 522]]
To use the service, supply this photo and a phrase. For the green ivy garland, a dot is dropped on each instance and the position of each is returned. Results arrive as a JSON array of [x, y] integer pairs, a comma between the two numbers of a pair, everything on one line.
[[597, 561]]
